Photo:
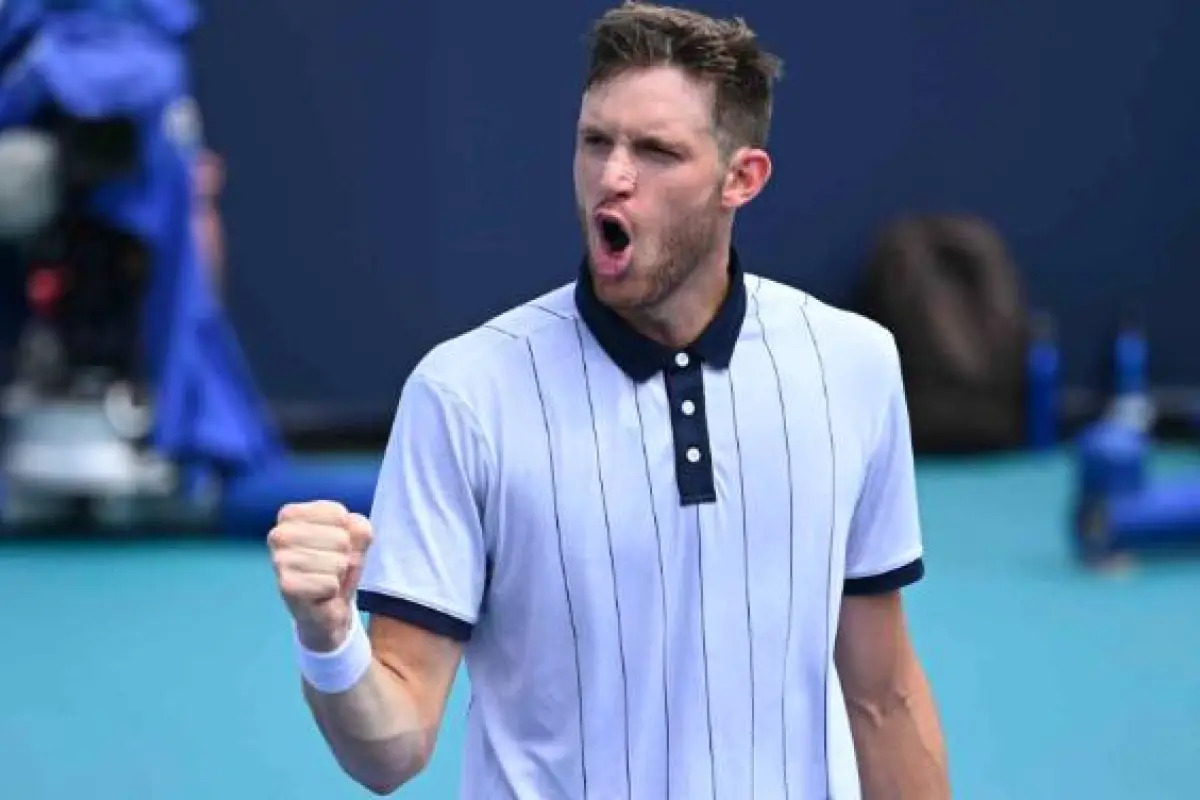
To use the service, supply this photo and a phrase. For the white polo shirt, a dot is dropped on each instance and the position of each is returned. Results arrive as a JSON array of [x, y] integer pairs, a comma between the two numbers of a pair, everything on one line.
[[646, 550]]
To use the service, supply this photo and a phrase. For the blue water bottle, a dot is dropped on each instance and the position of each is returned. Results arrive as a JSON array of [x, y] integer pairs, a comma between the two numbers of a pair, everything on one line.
[[1042, 384], [1131, 406], [1130, 361]]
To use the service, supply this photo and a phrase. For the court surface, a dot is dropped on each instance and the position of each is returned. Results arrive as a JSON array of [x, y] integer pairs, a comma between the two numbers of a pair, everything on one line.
[[164, 671]]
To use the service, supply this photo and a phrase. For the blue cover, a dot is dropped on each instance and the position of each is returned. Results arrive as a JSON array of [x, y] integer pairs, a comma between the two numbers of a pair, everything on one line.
[[127, 56]]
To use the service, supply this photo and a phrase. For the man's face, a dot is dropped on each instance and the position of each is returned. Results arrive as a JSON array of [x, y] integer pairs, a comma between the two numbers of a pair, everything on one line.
[[649, 184]]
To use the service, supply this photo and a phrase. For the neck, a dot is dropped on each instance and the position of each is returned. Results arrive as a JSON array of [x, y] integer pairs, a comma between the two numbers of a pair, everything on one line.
[[680, 318]]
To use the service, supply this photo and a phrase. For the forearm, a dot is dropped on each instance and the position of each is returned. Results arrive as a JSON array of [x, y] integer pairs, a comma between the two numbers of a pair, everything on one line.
[[374, 729], [899, 745]]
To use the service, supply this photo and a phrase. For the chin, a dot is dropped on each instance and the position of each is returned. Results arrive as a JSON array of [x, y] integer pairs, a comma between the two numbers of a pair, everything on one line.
[[628, 293], [617, 295]]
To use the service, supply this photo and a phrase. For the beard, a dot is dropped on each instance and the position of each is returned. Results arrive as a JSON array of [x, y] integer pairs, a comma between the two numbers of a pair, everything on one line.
[[681, 247]]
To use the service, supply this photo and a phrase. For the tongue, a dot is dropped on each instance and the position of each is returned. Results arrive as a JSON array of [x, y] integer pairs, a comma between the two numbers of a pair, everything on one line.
[[613, 257]]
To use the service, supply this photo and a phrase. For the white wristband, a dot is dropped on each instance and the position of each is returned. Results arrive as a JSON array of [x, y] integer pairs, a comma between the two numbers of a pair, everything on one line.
[[338, 670]]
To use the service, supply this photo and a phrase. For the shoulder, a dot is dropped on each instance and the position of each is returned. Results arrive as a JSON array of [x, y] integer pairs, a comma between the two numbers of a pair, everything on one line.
[[844, 337], [857, 355], [473, 366]]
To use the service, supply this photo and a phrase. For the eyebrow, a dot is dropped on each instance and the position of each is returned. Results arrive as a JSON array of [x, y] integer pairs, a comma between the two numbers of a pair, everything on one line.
[[653, 139]]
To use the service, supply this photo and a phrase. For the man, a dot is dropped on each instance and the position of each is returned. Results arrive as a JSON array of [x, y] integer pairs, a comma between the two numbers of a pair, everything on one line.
[[664, 511]]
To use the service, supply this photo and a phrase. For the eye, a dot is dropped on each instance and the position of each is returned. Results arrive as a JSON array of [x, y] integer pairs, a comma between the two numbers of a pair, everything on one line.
[[658, 152]]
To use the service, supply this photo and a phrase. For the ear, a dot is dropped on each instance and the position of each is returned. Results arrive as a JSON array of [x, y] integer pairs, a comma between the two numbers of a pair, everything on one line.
[[747, 175]]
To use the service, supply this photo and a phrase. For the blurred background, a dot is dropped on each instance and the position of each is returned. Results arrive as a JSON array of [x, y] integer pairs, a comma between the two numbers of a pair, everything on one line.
[[230, 231]]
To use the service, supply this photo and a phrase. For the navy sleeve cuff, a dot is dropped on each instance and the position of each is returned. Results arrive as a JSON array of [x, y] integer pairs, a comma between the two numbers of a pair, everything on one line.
[[886, 582], [423, 617]]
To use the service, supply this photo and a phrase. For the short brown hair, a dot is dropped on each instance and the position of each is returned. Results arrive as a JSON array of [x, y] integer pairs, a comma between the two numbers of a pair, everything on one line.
[[723, 52]]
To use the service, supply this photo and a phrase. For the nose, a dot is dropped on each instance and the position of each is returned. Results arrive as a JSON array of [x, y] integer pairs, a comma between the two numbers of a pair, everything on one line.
[[619, 176]]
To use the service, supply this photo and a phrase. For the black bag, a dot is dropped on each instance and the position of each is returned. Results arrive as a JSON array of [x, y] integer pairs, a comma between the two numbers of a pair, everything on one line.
[[947, 289]]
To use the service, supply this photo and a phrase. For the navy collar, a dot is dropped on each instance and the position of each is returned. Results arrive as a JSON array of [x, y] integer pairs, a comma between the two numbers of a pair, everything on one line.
[[642, 358]]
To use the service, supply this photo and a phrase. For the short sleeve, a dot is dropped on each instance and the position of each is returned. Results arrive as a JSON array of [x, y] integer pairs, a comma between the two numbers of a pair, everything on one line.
[[884, 548], [428, 562]]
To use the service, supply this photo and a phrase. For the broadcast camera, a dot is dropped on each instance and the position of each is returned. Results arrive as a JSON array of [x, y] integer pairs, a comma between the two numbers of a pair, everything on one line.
[[77, 410]]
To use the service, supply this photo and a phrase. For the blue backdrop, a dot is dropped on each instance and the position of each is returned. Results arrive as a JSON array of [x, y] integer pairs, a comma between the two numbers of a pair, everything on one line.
[[398, 171]]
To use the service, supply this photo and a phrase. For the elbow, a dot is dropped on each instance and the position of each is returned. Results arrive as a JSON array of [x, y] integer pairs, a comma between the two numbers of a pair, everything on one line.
[[382, 789], [383, 785], [388, 774]]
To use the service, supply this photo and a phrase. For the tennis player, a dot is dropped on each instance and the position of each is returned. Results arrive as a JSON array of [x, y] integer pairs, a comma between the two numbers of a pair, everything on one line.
[[665, 512]]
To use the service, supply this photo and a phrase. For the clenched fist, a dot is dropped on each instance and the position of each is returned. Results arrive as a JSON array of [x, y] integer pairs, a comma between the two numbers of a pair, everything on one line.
[[317, 549]]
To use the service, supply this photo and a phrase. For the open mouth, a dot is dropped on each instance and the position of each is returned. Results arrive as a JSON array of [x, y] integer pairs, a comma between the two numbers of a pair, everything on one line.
[[614, 235]]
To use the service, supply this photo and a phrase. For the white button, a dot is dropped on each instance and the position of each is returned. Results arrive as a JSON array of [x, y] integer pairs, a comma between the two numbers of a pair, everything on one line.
[[681, 360], [688, 408], [693, 454]]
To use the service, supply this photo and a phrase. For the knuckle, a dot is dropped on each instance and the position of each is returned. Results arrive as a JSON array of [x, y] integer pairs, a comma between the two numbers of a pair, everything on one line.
[[283, 537], [277, 536], [286, 512], [312, 511], [361, 533], [284, 560], [290, 585], [327, 511], [325, 589]]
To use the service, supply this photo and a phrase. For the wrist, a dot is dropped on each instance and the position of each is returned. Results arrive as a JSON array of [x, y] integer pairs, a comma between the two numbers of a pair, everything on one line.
[[340, 668], [320, 639]]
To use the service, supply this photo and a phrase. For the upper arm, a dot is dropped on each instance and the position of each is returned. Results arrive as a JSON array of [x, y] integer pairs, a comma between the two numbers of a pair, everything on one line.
[[424, 662], [884, 548], [424, 575], [883, 554]]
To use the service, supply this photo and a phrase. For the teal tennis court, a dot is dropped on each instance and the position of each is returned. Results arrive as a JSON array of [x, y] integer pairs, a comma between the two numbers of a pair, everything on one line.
[[163, 671]]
